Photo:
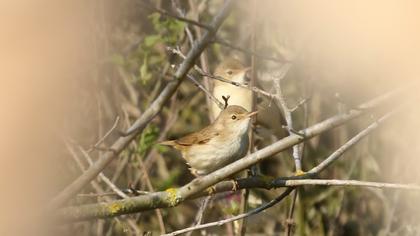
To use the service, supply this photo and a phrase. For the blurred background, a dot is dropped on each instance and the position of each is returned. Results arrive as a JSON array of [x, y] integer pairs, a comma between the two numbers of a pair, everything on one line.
[[70, 69]]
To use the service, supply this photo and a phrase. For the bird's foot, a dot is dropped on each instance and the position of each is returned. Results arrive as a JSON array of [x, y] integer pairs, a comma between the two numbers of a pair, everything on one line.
[[235, 185], [211, 190], [299, 172]]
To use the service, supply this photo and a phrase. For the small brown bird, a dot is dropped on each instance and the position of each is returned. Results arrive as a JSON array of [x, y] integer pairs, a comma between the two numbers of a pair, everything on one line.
[[232, 70], [218, 144]]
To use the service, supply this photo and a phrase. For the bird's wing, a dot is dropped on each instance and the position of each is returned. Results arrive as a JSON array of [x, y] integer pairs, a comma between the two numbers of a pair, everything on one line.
[[201, 137]]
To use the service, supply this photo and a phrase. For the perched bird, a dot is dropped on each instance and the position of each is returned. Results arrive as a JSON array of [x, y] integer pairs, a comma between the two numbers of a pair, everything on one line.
[[232, 70], [270, 118], [218, 144]]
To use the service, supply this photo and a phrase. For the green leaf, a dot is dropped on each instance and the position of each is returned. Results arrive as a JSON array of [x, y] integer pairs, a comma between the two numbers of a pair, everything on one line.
[[151, 40], [147, 139], [144, 71], [155, 18]]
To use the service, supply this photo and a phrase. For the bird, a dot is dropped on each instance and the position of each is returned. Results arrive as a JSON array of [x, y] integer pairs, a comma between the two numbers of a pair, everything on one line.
[[217, 145], [232, 70], [270, 119]]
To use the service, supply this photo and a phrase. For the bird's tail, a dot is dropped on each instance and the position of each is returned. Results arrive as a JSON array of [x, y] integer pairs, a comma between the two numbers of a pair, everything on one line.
[[167, 143]]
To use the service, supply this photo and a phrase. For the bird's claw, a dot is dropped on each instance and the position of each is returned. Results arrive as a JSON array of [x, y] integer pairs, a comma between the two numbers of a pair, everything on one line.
[[211, 190], [299, 172], [235, 185]]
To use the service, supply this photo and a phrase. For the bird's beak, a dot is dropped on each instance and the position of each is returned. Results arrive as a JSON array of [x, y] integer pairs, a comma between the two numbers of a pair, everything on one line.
[[247, 74], [251, 113]]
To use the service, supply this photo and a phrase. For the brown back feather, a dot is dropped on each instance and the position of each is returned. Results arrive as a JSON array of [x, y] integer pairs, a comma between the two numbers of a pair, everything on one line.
[[201, 137]]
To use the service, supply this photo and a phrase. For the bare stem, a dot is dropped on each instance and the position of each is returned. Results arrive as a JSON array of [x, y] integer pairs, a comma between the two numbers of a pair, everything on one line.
[[209, 95], [287, 112], [101, 140]]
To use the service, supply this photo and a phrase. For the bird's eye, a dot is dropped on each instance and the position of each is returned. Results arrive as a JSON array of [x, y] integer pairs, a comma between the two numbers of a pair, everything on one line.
[[233, 117], [229, 72]]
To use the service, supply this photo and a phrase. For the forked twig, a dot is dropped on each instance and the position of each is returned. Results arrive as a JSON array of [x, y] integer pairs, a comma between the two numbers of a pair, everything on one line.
[[226, 99], [101, 140]]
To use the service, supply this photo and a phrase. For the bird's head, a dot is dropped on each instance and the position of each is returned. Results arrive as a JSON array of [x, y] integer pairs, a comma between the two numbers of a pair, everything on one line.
[[235, 119], [231, 69]]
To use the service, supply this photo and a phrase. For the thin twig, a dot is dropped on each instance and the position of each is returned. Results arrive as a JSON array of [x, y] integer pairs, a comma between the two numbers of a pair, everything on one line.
[[347, 183], [209, 95], [200, 212], [175, 5], [289, 220], [101, 140], [203, 57], [126, 191], [96, 186], [178, 52], [340, 151], [200, 86], [299, 104], [106, 180], [226, 100], [150, 187], [287, 112], [296, 150]]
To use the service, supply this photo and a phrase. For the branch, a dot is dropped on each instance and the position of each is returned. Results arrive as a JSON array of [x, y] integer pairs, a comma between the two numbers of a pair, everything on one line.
[[209, 95], [252, 88], [340, 151], [180, 18], [148, 115], [226, 100], [172, 197], [103, 177], [350, 183], [101, 140], [287, 112], [205, 74]]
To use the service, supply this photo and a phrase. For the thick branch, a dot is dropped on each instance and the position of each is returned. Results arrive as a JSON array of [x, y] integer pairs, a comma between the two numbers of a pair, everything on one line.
[[148, 115], [173, 197], [136, 204]]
